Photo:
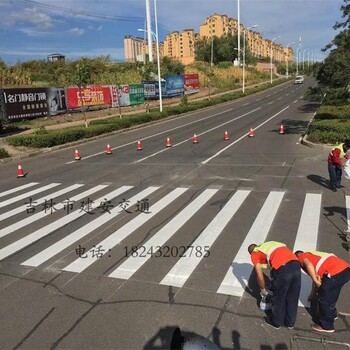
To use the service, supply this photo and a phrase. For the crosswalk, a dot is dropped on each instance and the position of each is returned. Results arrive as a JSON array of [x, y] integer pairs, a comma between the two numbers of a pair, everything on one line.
[[108, 217]]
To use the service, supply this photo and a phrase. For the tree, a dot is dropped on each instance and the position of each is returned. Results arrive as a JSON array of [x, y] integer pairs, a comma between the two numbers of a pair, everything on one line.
[[335, 71], [82, 79]]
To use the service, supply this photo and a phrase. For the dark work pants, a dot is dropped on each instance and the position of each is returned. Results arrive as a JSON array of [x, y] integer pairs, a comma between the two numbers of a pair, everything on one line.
[[286, 283], [335, 174], [328, 294]]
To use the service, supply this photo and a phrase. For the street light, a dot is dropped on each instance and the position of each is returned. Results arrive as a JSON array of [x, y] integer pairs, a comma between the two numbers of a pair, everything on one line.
[[244, 31], [158, 58], [287, 58], [299, 47], [277, 37], [238, 33], [304, 58]]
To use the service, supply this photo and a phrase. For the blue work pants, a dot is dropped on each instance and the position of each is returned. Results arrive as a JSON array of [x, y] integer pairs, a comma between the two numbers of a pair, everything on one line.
[[335, 173]]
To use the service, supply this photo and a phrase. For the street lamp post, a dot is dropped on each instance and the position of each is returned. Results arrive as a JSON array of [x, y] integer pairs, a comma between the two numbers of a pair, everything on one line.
[[238, 33], [158, 67], [304, 58], [277, 37], [244, 31], [287, 59], [298, 49]]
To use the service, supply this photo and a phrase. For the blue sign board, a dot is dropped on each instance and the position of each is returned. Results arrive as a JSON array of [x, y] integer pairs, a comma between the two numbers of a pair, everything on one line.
[[174, 85]]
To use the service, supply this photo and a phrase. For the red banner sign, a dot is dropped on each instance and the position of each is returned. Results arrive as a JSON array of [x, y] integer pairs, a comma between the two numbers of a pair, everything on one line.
[[191, 83], [88, 96]]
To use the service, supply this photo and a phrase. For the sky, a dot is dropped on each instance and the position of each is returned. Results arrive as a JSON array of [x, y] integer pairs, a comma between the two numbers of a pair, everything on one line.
[[90, 28]]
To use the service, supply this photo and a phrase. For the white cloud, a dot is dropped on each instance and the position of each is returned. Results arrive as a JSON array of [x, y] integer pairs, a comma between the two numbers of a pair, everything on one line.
[[76, 31]]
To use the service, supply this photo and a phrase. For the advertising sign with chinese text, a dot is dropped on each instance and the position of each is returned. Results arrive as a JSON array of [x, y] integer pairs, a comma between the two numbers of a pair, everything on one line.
[[124, 97], [151, 89], [88, 96], [174, 85], [191, 83], [114, 96], [136, 94], [25, 103]]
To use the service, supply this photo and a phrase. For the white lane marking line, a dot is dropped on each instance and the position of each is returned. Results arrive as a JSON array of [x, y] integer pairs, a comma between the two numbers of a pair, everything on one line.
[[28, 194], [279, 98], [307, 237], [258, 99], [295, 101], [116, 237], [245, 135], [287, 94], [132, 264], [154, 135], [16, 189], [245, 104], [200, 134], [39, 201], [270, 102], [182, 270], [29, 220], [237, 276], [268, 95], [83, 231]]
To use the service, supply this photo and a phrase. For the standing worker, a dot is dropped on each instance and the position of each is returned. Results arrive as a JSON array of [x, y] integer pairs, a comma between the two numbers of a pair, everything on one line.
[[329, 274], [285, 277], [335, 164]]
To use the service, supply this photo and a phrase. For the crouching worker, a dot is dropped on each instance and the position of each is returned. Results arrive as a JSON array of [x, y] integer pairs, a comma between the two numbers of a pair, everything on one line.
[[285, 277], [329, 274]]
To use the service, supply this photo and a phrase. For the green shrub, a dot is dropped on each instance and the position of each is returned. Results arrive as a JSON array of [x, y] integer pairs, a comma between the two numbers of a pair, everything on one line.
[[329, 131], [336, 97], [3, 153], [333, 112]]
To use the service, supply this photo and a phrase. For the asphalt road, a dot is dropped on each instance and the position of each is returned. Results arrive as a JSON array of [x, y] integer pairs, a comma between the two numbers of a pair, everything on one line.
[[90, 249]]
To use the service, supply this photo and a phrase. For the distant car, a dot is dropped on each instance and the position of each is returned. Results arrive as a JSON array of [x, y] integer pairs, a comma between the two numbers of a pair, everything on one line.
[[299, 79]]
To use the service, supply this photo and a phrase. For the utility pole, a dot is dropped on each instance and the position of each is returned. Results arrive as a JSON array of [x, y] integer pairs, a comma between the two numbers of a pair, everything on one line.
[[149, 31]]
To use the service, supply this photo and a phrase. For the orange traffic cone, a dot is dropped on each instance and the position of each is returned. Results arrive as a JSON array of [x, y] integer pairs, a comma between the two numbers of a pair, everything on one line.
[[109, 149], [226, 136], [281, 129], [76, 154], [20, 172], [139, 147], [195, 140], [168, 143], [251, 133]]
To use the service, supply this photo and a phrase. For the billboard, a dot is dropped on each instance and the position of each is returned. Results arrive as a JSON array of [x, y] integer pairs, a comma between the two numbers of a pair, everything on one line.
[[136, 94], [151, 89], [56, 101], [114, 96], [191, 83], [174, 85], [124, 97], [25, 103], [88, 96]]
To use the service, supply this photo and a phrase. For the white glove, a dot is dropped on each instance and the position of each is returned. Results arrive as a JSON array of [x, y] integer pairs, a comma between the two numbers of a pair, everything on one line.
[[265, 292]]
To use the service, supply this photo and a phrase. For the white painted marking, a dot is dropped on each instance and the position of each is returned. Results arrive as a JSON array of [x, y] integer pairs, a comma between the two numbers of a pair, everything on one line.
[[28, 194], [65, 242], [237, 276], [287, 94], [295, 101], [245, 135], [44, 231], [154, 135], [116, 237], [202, 133], [19, 224], [132, 264], [279, 98], [16, 189], [258, 99], [268, 95], [269, 103], [39, 201], [245, 104], [180, 273], [307, 237]]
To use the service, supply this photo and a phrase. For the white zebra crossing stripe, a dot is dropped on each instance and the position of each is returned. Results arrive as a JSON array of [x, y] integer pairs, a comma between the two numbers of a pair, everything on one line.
[[28, 194], [237, 276], [132, 264], [16, 189], [9, 229], [39, 201], [85, 230], [33, 237], [179, 274], [307, 237], [111, 241]]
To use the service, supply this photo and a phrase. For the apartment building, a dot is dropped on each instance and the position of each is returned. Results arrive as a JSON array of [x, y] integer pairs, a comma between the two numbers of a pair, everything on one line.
[[136, 49], [180, 45]]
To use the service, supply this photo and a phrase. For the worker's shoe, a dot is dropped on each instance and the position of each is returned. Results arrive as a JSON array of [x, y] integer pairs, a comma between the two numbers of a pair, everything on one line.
[[318, 328], [290, 327], [270, 323]]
